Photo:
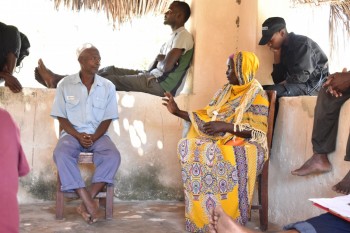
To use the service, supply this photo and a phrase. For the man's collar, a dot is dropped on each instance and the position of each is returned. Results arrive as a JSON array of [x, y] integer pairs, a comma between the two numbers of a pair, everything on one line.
[[77, 80], [178, 30]]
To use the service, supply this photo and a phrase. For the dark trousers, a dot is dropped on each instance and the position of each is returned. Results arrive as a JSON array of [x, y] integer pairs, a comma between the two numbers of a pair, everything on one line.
[[132, 80], [288, 89], [325, 129]]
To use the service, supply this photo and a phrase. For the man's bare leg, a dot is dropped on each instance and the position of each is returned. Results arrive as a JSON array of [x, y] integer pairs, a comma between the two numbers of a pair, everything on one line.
[[318, 163], [45, 76], [93, 190], [343, 186], [220, 222], [89, 205]]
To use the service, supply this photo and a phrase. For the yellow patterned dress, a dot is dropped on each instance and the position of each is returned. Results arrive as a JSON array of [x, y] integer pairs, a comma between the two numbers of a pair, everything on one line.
[[215, 173]]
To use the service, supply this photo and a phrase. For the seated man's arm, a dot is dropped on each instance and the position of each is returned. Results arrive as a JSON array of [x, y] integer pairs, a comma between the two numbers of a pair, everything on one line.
[[154, 63], [168, 62], [83, 138], [110, 113], [279, 72], [101, 130], [303, 61]]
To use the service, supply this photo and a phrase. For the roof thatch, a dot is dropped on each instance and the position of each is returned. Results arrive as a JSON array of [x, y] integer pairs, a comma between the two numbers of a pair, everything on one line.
[[338, 20], [119, 11]]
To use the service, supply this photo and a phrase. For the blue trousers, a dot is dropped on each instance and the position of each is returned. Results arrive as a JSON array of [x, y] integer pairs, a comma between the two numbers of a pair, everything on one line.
[[106, 159], [325, 223]]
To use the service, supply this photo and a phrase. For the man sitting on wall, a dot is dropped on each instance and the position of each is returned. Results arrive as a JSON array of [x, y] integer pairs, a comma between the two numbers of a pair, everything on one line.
[[324, 134], [166, 72], [300, 65]]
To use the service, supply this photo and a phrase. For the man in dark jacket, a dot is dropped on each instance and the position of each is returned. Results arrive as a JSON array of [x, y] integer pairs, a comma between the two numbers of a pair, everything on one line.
[[300, 66]]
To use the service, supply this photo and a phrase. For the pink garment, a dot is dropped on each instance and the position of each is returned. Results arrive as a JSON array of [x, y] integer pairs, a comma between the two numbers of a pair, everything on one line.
[[13, 164]]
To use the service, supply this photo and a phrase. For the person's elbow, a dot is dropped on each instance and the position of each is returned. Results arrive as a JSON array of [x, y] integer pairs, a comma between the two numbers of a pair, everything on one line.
[[168, 67]]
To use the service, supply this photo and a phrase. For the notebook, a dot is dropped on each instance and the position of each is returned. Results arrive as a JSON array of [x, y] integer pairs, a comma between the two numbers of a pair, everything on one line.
[[339, 206]]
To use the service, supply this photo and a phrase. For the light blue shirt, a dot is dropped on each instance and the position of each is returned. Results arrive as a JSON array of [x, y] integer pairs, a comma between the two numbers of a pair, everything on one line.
[[85, 111]]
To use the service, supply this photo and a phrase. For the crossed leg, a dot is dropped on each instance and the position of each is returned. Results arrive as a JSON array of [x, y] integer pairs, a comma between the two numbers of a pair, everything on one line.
[[88, 208]]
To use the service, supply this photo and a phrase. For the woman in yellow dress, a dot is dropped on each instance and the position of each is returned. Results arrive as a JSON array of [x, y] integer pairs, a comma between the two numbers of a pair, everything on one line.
[[226, 146]]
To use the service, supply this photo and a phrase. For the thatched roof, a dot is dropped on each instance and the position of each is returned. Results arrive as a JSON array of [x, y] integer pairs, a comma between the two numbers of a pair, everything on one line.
[[338, 20], [119, 11]]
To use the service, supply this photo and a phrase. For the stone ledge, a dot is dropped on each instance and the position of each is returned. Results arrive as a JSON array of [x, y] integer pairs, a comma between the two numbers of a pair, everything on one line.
[[288, 194], [147, 138], [145, 134]]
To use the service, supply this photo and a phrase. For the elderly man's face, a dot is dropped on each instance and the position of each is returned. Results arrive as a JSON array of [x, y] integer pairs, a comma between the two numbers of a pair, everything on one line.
[[90, 60]]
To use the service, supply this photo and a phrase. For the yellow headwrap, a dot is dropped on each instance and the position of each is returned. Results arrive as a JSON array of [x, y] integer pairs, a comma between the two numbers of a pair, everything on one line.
[[232, 101], [246, 65]]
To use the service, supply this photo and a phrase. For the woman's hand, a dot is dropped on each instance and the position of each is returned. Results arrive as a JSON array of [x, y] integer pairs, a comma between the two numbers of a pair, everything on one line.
[[214, 127], [170, 103]]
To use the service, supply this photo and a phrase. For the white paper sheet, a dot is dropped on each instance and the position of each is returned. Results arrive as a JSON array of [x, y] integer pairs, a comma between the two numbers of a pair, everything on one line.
[[339, 205]]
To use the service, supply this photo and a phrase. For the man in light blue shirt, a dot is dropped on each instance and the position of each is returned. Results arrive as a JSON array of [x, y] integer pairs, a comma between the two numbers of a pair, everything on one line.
[[85, 104]]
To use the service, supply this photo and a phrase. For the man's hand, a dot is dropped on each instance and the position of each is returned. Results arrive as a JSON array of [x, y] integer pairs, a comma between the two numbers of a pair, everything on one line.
[[85, 140], [337, 83], [170, 103], [276, 55], [11, 82], [214, 127]]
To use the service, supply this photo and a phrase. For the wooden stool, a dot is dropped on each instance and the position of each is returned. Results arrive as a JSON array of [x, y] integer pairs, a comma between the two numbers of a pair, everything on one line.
[[105, 197]]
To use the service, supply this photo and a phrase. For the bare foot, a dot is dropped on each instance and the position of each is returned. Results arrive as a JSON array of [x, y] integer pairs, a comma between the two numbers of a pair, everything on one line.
[[83, 212], [93, 211], [38, 77], [220, 222], [318, 163], [343, 186], [45, 76]]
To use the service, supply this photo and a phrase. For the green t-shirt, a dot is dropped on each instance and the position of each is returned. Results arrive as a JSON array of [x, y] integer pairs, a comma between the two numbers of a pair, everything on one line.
[[172, 80]]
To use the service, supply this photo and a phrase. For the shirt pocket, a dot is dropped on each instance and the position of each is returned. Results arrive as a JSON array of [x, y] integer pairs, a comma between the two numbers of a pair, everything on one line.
[[73, 110], [98, 108]]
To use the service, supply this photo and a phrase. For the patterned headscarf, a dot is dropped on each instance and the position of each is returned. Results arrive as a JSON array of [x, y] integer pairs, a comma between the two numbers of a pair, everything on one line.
[[231, 102], [246, 65]]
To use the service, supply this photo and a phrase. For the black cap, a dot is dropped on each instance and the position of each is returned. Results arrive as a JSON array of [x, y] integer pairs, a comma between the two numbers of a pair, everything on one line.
[[270, 27]]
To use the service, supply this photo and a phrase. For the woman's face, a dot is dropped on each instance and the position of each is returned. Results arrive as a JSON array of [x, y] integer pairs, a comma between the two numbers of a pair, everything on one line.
[[230, 73]]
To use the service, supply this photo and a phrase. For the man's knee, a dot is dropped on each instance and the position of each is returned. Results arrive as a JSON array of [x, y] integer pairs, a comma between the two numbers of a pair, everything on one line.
[[66, 146], [279, 88]]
